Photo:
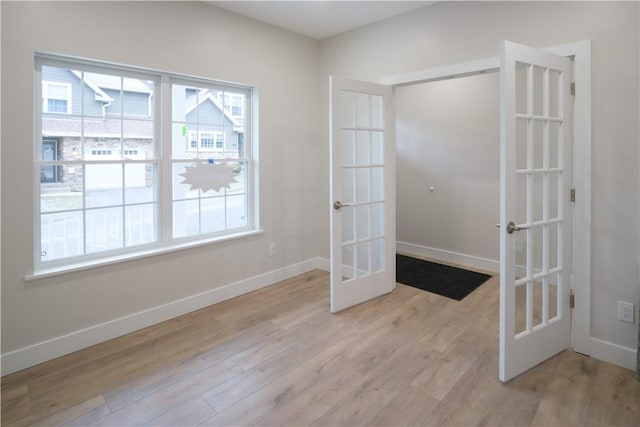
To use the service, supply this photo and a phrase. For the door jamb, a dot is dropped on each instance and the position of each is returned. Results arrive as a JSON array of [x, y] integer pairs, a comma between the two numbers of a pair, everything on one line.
[[581, 53]]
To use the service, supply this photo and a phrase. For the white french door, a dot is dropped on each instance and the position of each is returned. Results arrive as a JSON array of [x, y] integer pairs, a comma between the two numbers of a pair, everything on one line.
[[535, 207], [362, 192]]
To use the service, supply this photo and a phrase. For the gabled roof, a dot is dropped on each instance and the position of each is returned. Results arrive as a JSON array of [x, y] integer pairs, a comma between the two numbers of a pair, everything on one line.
[[105, 81], [100, 94], [203, 95], [97, 82]]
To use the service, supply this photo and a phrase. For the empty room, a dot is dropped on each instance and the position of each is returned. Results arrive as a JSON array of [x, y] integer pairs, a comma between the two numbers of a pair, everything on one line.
[[202, 205]]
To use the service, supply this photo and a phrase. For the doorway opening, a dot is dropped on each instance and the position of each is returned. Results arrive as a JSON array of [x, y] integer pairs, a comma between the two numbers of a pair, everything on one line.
[[448, 170]]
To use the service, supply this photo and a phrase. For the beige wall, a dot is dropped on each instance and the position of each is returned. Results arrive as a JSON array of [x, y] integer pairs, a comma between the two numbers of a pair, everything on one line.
[[453, 32], [448, 139], [182, 37]]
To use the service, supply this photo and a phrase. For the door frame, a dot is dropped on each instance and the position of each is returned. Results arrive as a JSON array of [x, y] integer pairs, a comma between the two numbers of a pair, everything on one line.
[[581, 277]]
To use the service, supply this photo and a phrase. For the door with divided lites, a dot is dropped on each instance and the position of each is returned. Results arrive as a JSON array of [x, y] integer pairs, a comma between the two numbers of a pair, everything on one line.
[[362, 192], [535, 207]]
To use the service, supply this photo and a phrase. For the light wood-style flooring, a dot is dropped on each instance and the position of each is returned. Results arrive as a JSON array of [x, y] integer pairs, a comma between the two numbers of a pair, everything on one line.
[[278, 357]]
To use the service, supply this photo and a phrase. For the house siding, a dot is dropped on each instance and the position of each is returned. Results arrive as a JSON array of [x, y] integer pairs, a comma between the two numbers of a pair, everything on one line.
[[208, 117], [126, 125], [129, 104]]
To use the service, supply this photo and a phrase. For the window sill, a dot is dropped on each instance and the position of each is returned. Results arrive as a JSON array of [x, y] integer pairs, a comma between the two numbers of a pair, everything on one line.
[[86, 265]]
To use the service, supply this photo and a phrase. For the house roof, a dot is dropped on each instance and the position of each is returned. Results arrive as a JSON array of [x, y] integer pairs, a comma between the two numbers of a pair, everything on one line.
[[205, 94], [105, 81], [100, 94], [98, 82]]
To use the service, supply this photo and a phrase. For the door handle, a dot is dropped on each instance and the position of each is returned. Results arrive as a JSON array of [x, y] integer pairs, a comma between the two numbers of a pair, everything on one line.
[[511, 227], [338, 205]]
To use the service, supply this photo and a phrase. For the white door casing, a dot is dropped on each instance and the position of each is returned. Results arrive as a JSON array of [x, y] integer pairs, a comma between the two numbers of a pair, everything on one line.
[[362, 191], [536, 177]]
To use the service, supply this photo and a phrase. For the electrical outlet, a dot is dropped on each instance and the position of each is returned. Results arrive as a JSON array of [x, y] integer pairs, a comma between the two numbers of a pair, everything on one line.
[[626, 312], [272, 249]]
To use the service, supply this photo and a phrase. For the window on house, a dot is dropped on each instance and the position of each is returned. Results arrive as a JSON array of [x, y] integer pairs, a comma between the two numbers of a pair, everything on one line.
[[233, 104], [100, 196], [56, 97], [206, 141]]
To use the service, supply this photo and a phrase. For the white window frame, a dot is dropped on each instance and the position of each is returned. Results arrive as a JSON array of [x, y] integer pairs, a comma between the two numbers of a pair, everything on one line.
[[45, 97], [164, 178]]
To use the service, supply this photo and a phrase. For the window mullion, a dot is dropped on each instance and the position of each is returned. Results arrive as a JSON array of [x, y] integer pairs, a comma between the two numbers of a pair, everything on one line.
[[84, 169], [164, 130], [37, 215], [122, 162]]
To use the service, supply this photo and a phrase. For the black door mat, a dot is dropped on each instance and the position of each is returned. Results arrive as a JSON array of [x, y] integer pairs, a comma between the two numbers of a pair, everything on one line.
[[451, 282]]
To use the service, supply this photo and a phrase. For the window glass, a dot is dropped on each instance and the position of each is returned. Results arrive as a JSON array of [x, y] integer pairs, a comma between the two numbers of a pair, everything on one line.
[[98, 167]]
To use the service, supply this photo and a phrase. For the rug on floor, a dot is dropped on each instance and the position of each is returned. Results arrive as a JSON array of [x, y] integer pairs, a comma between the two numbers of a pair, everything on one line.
[[451, 282]]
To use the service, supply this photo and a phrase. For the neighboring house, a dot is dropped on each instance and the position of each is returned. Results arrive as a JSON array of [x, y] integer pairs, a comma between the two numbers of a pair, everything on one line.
[[205, 107], [111, 114]]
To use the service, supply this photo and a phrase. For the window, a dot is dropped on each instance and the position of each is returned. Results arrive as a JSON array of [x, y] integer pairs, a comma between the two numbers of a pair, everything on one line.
[[56, 97], [206, 141], [233, 104], [213, 142], [107, 170]]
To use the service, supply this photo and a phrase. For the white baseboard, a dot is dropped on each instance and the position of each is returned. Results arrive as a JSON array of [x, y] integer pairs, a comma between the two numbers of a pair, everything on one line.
[[59, 346], [448, 256], [613, 353]]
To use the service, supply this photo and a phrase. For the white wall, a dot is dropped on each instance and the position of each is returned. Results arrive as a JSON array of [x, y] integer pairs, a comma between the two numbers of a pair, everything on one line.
[[447, 137], [453, 32], [192, 38]]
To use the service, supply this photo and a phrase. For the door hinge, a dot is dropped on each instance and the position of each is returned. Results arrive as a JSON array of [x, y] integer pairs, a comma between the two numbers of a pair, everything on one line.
[[573, 195], [573, 88], [572, 300]]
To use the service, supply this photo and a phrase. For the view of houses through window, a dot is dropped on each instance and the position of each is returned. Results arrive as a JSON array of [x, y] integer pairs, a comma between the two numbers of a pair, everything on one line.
[[100, 165]]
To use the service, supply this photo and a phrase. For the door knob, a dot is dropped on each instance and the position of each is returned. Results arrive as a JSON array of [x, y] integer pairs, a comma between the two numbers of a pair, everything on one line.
[[337, 205], [511, 227]]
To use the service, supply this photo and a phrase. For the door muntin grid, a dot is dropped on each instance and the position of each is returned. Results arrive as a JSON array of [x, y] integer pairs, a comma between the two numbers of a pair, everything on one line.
[[361, 136], [540, 208]]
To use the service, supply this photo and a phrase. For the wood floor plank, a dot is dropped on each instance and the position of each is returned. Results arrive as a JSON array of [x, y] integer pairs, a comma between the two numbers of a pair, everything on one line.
[[617, 397], [207, 356], [278, 357], [570, 389], [82, 414], [244, 385], [171, 397], [410, 407], [190, 413], [16, 405], [289, 384]]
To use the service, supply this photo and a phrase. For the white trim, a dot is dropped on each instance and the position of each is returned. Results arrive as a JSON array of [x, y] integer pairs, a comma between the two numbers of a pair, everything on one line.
[[613, 353], [472, 261], [581, 51], [581, 325], [481, 66], [58, 346]]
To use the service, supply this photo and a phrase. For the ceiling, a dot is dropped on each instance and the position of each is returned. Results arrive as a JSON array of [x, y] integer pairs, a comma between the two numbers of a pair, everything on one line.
[[320, 19]]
